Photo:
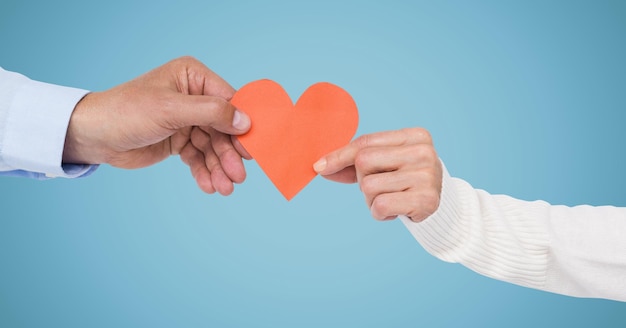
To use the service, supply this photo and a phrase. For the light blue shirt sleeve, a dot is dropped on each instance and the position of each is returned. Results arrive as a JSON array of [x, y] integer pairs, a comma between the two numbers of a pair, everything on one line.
[[34, 117]]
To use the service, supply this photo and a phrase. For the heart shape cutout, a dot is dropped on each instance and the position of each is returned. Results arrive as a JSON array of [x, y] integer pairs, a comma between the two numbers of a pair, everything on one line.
[[287, 139]]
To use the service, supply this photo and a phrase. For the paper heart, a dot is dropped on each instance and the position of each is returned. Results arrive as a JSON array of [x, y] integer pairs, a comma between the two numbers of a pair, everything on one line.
[[286, 140]]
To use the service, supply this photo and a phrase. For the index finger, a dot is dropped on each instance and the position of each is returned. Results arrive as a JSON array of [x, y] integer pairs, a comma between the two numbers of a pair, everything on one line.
[[192, 76], [344, 157]]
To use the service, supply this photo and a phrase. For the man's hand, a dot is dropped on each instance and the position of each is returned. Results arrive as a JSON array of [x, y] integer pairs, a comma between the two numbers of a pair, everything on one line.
[[181, 108], [399, 172]]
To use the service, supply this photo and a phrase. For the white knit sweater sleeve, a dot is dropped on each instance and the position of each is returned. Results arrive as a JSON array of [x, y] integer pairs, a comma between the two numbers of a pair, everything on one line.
[[578, 251]]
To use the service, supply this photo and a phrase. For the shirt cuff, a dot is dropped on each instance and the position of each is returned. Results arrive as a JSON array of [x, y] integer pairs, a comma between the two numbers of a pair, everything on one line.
[[36, 127]]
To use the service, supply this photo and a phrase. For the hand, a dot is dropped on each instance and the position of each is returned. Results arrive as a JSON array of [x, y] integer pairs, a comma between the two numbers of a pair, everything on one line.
[[181, 108], [399, 172]]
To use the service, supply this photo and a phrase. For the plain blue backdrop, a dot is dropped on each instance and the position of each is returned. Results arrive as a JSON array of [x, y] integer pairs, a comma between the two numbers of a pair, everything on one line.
[[526, 98]]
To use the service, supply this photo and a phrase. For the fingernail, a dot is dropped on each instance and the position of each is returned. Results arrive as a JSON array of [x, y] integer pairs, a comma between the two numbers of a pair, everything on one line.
[[241, 121], [320, 165]]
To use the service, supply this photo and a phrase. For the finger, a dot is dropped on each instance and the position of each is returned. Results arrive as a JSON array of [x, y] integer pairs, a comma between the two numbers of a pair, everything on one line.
[[336, 161], [385, 159], [376, 160], [179, 140], [347, 175], [417, 206], [389, 182], [216, 112], [189, 76], [203, 81], [379, 159], [344, 157], [195, 160], [240, 149], [230, 159], [219, 179]]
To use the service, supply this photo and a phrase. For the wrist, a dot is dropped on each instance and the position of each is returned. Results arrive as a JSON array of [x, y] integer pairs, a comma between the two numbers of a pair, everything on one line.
[[80, 148]]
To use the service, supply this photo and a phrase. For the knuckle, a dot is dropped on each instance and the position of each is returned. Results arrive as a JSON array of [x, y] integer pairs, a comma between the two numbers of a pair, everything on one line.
[[425, 152], [227, 153], [426, 206], [381, 207], [359, 160], [362, 159], [189, 155], [431, 201], [214, 168], [219, 110], [334, 157], [217, 104], [362, 141], [419, 134], [199, 139], [423, 134], [417, 216], [368, 185], [187, 59]]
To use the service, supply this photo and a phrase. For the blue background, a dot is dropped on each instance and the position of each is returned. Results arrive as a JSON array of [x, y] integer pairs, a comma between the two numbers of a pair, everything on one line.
[[526, 98]]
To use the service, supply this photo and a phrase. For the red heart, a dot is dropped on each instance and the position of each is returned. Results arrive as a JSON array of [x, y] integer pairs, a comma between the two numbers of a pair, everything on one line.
[[286, 140]]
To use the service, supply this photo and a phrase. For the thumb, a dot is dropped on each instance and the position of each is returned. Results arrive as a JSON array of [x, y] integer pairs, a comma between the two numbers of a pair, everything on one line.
[[215, 112]]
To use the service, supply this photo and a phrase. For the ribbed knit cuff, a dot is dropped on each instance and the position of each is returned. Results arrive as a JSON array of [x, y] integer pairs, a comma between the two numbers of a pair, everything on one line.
[[497, 236], [445, 232]]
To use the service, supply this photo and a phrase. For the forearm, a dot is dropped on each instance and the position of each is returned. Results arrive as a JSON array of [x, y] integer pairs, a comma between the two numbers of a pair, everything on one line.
[[577, 251]]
